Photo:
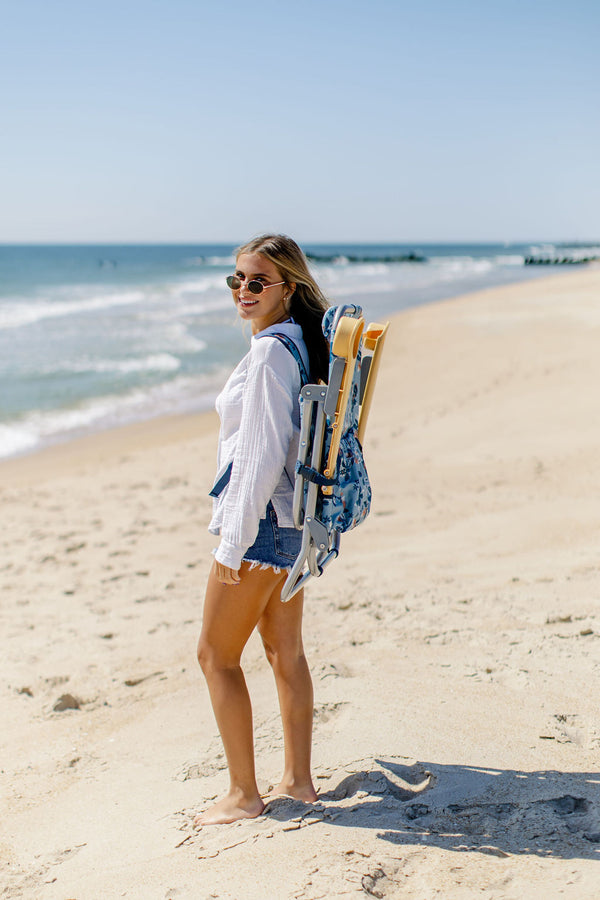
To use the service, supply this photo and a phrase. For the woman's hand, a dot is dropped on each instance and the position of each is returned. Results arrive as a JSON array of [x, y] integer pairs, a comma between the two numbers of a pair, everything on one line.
[[226, 575]]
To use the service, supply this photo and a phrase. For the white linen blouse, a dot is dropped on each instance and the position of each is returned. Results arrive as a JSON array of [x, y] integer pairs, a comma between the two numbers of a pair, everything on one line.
[[260, 425]]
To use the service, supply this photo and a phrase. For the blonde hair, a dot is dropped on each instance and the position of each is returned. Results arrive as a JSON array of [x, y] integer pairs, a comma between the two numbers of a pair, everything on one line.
[[308, 304]]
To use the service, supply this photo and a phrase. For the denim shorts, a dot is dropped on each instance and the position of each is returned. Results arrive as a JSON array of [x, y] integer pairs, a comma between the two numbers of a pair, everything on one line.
[[274, 546]]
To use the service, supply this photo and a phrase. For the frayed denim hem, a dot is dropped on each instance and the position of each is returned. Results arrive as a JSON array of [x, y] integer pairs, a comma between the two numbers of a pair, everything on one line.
[[255, 563]]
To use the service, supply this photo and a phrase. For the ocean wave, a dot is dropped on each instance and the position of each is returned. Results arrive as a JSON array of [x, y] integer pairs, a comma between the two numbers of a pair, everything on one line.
[[15, 439], [538, 249], [383, 278], [462, 263], [181, 306], [187, 297], [220, 260], [180, 395], [356, 270], [159, 362], [211, 260], [513, 260], [176, 336], [198, 295], [197, 285], [16, 315], [347, 289]]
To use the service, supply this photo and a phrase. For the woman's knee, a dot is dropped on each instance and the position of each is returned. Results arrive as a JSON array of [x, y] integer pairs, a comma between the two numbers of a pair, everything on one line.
[[205, 655], [212, 659]]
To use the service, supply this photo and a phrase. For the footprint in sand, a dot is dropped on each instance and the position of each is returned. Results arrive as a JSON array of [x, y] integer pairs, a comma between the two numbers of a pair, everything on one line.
[[329, 670], [326, 711], [191, 770], [570, 728]]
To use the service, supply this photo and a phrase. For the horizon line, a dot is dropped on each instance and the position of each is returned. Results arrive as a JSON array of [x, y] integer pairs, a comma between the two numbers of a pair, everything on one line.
[[331, 242]]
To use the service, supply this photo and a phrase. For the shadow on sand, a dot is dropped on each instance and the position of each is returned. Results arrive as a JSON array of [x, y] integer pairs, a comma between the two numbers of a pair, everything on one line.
[[494, 811]]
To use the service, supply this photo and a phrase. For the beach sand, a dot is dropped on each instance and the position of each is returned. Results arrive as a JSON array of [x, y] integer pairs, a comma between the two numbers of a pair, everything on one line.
[[455, 646]]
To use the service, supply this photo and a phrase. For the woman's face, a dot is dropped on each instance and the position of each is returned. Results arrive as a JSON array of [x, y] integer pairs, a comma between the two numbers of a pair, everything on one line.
[[268, 307]]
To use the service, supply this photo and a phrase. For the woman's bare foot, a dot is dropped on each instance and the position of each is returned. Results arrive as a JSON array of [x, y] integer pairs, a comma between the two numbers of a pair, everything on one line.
[[231, 808], [302, 791]]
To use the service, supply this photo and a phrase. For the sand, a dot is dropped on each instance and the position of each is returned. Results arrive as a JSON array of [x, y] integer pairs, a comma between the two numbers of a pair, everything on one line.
[[455, 646]]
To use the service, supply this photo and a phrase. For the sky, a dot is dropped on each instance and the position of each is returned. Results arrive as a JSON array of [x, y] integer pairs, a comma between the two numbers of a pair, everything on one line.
[[331, 120]]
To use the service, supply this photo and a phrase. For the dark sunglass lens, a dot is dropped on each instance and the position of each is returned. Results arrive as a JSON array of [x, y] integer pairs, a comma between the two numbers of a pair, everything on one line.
[[255, 287], [233, 282]]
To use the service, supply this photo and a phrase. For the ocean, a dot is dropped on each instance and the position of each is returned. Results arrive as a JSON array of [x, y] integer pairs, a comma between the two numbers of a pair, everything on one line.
[[93, 337]]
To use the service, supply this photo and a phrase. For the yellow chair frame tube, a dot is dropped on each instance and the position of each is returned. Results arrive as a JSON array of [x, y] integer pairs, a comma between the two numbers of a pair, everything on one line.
[[346, 344]]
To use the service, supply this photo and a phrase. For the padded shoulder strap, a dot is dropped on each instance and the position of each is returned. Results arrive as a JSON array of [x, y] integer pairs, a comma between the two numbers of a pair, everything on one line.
[[293, 349]]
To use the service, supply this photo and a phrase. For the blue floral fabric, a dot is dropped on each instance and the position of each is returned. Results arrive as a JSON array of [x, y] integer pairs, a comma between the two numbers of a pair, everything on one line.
[[350, 501]]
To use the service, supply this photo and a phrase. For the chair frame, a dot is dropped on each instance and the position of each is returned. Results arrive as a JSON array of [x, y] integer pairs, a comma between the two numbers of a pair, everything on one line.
[[324, 408]]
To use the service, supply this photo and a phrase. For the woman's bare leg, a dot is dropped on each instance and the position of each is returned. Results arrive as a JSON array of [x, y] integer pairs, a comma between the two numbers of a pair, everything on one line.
[[280, 627], [231, 613]]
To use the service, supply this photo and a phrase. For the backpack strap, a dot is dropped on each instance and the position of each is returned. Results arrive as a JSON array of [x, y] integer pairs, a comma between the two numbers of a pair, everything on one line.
[[222, 482], [311, 474], [293, 349]]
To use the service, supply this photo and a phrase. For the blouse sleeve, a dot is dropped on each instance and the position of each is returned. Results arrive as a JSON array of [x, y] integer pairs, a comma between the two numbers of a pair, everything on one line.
[[266, 429]]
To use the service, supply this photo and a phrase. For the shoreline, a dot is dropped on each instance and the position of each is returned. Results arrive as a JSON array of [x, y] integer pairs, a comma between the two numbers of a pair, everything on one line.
[[97, 447], [61, 451]]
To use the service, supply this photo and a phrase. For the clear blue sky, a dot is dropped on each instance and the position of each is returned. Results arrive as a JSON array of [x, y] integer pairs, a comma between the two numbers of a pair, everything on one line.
[[183, 120]]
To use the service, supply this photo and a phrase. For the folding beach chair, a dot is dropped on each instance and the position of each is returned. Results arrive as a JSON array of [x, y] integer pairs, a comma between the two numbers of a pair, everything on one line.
[[332, 492]]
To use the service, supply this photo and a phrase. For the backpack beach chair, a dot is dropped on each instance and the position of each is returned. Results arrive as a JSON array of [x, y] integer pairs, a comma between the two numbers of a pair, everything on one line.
[[332, 491]]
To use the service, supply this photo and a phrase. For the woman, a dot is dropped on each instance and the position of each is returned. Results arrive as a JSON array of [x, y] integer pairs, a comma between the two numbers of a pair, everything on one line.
[[274, 291]]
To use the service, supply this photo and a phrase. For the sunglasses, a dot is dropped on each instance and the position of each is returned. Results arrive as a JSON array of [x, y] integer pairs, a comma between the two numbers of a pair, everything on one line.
[[255, 287]]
